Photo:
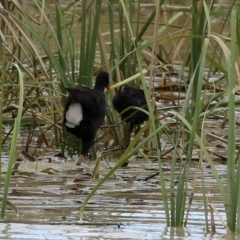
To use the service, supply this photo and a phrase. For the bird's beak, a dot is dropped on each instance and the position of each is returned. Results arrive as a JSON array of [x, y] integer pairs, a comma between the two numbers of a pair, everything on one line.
[[107, 88]]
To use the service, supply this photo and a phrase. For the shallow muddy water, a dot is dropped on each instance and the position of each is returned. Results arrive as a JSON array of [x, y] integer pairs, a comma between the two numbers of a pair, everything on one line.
[[72, 232], [48, 199]]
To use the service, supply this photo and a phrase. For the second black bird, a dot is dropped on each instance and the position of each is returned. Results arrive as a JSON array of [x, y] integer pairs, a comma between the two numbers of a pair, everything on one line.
[[125, 97]]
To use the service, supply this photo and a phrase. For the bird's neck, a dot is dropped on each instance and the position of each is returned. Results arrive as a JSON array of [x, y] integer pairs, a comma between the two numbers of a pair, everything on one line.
[[99, 87]]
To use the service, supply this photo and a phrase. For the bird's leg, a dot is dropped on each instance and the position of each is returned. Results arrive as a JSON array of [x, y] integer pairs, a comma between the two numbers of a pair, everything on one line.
[[136, 131], [126, 137], [80, 159], [86, 144], [127, 134]]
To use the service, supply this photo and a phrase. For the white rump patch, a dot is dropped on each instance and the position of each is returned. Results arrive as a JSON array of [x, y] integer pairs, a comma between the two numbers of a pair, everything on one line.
[[74, 115]]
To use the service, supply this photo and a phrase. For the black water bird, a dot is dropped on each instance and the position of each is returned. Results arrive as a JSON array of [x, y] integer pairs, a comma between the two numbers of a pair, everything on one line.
[[125, 97], [85, 111]]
